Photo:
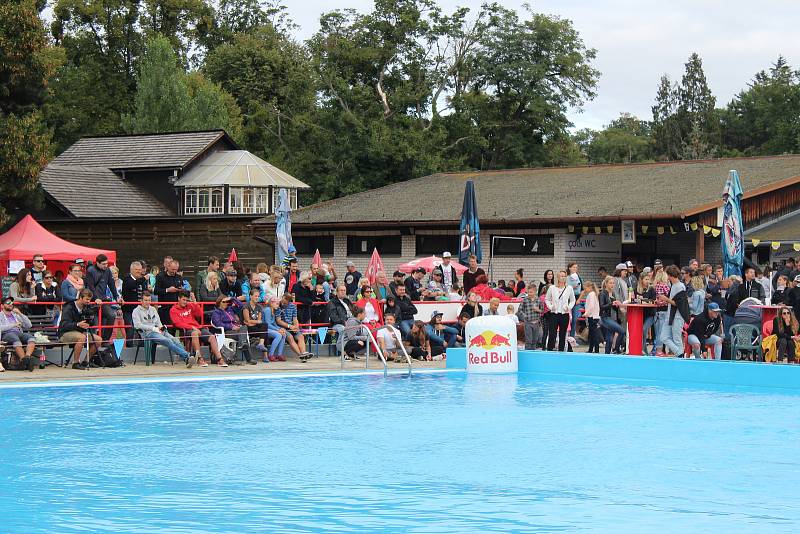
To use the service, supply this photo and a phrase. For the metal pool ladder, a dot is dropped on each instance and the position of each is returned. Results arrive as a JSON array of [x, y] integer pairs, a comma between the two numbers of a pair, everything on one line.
[[373, 341]]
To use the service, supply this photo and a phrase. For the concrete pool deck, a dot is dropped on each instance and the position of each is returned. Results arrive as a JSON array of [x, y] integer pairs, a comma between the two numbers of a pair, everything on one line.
[[161, 370]]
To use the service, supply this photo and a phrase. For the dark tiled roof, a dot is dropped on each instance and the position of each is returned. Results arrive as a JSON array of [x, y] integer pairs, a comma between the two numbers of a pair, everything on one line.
[[784, 229], [167, 150], [672, 189], [96, 192]]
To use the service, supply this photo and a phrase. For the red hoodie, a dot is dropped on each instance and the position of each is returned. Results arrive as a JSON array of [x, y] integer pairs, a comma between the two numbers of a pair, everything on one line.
[[187, 318]]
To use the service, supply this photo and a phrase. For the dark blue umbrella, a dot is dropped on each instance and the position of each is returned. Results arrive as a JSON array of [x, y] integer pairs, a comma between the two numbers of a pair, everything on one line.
[[283, 226], [470, 242]]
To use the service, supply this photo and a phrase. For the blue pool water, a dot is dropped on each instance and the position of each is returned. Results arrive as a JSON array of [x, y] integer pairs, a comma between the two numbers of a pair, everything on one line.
[[430, 453]]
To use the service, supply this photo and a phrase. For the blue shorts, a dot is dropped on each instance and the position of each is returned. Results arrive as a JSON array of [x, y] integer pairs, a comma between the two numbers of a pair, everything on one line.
[[17, 339]]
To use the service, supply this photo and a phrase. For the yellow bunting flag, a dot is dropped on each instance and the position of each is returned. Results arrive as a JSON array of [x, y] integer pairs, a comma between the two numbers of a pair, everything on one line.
[[796, 247], [644, 229], [715, 232], [693, 226], [585, 229], [756, 242], [610, 228], [706, 229], [597, 229], [571, 228], [776, 245], [660, 230], [672, 230]]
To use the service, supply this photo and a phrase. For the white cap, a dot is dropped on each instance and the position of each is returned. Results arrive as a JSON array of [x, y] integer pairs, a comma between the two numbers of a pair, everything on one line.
[[445, 254], [621, 267]]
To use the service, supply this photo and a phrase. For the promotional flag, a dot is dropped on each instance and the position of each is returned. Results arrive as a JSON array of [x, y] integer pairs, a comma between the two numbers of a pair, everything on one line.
[[733, 232], [470, 240]]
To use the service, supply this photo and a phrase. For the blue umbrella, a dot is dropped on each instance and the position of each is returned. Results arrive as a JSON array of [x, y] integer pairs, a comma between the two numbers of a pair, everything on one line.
[[732, 229], [283, 227], [470, 242]]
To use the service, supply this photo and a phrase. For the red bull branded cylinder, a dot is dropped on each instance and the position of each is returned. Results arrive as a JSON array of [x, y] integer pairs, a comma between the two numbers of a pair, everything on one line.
[[491, 345]]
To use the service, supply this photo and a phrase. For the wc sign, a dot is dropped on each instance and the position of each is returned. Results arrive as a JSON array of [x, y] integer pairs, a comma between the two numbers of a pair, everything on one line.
[[491, 344], [593, 244]]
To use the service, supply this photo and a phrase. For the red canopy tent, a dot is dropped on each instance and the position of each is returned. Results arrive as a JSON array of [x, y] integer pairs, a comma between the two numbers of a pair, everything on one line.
[[28, 237]]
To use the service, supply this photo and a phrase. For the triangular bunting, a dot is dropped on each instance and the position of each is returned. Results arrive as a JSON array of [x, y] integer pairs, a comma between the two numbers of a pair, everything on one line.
[[693, 226], [776, 245], [322, 331], [796, 247], [756, 242], [571, 228], [672, 230], [597, 230], [715, 232], [706, 229], [610, 229], [660, 230], [118, 345], [644, 228], [585, 229]]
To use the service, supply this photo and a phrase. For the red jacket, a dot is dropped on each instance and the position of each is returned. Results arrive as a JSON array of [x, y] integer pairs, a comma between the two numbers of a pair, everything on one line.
[[187, 318], [486, 293], [362, 303]]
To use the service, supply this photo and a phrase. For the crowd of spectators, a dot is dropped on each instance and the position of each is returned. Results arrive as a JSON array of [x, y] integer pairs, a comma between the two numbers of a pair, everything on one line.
[[271, 307]]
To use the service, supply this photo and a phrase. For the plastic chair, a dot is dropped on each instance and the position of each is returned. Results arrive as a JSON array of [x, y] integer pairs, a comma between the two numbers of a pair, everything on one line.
[[746, 338], [150, 349]]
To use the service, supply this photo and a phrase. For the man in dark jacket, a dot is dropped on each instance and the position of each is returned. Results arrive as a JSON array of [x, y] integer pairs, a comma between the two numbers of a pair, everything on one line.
[[168, 284], [100, 282], [704, 330], [73, 328], [231, 286], [749, 288], [133, 286], [788, 270], [339, 310], [414, 285], [407, 311], [397, 280]]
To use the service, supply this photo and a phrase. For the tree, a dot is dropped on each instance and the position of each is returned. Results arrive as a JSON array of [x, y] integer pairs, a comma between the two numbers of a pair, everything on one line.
[[169, 101], [666, 126], [765, 118], [625, 140], [26, 62]]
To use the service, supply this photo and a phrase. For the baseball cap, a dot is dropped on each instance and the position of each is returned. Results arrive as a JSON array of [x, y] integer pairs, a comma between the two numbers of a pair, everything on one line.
[[435, 313], [621, 266], [629, 263], [292, 250], [657, 263], [420, 270], [797, 278], [713, 306], [437, 272], [398, 273], [351, 264], [8, 299], [445, 254], [647, 270]]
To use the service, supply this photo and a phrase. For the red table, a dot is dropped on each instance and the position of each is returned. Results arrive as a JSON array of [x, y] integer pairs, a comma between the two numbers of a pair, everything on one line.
[[635, 324], [768, 313]]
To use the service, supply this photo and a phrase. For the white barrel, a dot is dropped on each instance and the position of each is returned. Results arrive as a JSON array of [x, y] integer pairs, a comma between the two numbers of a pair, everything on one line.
[[491, 345]]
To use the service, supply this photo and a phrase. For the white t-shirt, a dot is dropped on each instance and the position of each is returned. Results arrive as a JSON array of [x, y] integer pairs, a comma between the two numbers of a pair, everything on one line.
[[371, 313], [391, 336], [513, 318]]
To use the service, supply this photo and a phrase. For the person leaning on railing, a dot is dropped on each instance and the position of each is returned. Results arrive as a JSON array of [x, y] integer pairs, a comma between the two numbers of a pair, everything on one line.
[[77, 319], [147, 322]]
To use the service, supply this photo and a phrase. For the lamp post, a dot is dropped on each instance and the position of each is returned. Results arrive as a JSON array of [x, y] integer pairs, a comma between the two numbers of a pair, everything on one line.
[[491, 252]]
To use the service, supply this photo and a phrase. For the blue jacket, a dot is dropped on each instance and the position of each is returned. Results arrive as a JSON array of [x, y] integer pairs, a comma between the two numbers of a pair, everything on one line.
[[262, 295], [68, 292], [101, 282], [269, 319]]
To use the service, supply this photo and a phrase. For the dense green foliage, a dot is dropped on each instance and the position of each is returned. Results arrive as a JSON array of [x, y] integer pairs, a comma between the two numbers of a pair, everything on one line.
[[402, 91]]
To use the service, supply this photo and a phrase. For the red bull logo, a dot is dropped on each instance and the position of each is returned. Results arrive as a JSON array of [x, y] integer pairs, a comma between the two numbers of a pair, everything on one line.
[[488, 340]]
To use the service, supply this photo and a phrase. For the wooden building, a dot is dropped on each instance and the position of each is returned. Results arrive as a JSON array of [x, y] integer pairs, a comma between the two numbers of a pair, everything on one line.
[[186, 194], [542, 218]]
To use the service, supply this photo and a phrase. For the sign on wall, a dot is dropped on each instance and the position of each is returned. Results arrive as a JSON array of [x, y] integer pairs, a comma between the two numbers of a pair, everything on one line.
[[593, 244]]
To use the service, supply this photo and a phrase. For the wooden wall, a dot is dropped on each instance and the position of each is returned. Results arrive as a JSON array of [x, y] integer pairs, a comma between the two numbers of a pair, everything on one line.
[[189, 241], [763, 208]]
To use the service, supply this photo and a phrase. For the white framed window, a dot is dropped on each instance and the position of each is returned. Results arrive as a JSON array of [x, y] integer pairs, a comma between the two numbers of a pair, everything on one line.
[[203, 200], [190, 201], [248, 200]]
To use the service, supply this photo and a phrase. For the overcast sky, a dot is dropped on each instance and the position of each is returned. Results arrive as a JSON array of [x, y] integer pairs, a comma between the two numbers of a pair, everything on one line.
[[639, 40]]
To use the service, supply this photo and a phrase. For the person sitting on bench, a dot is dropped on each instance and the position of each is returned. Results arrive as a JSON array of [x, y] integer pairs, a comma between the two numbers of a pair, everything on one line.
[[12, 323], [147, 322], [77, 318], [188, 316]]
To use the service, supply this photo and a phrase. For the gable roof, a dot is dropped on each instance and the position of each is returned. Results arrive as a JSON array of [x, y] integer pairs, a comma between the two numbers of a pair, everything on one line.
[[652, 190], [146, 151], [95, 192], [237, 168]]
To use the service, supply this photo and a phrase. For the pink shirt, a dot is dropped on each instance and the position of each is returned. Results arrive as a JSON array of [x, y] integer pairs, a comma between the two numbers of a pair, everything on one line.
[[592, 306]]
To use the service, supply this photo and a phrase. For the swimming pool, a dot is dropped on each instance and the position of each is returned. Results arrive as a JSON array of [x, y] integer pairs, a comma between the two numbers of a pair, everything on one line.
[[440, 452]]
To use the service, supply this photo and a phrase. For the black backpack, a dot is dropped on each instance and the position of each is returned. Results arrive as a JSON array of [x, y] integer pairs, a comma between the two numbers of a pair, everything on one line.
[[104, 358]]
